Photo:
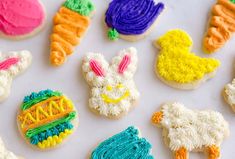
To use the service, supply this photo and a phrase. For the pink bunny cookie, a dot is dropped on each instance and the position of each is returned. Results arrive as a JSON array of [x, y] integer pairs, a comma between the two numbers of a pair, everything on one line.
[[11, 65], [113, 90]]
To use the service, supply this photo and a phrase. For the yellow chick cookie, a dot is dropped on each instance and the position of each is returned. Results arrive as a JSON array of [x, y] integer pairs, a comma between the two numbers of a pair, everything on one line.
[[177, 66]]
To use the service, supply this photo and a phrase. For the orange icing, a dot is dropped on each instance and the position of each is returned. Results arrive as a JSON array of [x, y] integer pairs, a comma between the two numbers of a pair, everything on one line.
[[44, 112], [157, 117], [213, 152], [222, 25], [181, 154], [69, 28]]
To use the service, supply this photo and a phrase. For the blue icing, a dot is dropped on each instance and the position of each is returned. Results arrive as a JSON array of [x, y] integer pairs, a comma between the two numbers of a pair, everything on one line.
[[36, 95], [125, 145], [50, 132]]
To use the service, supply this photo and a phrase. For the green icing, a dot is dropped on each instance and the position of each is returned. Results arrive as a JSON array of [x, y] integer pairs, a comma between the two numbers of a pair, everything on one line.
[[113, 34], [233, 1], [83, 7], [124, 145], [33, 101], [31, 132]]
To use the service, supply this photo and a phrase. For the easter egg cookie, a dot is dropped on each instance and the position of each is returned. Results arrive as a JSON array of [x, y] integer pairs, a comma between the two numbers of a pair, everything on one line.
[[5, 153], [177, 66], [46, 119], [113, 90], [132, 20], [21, 18], [11, 65], [229, 94], [70, 25], [186, 130], [124, 145], [221, 25]]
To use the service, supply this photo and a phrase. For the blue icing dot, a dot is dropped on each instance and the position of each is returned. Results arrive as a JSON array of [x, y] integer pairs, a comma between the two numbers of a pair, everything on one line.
[[48, 133], [54, 131], [60, 127], [68, 125], [123, 145], [41, 136], [34, 140]]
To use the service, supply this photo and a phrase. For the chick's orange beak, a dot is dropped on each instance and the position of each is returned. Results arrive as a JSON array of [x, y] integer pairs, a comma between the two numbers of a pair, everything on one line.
[[157, 117]]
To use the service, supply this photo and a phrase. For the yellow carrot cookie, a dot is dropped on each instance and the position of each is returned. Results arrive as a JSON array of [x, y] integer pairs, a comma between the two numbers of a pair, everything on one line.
[[221, 27], [186, 130], [177, 66], [46, 119], [70, 24]]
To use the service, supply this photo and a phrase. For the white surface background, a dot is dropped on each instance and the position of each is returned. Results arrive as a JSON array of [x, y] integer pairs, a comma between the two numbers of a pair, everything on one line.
[[190, 15]]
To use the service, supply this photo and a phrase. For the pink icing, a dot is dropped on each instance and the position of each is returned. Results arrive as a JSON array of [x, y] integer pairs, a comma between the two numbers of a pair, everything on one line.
[[96, 68], [124, 64], [19, 17], [6, 64]]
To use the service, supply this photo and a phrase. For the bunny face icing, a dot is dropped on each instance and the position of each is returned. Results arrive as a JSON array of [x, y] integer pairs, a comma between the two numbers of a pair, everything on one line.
[[113, 91]]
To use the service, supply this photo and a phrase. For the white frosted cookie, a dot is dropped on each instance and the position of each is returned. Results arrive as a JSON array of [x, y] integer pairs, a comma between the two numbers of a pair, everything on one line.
[[187, 130], [177, 66], [132, 20], [6, 154], [21, 18], [11, 65], [113, 90], [46, 119], [229, 94]]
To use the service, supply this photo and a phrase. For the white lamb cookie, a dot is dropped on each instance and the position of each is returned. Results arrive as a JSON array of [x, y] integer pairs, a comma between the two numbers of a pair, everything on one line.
[[229, 94], [6, 154], [187, 130], [113, 90], [11, 65]]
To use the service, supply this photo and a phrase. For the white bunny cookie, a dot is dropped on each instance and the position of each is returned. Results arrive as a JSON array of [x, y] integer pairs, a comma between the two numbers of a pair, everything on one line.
[[113, 90], [5, 154], [11, 65]]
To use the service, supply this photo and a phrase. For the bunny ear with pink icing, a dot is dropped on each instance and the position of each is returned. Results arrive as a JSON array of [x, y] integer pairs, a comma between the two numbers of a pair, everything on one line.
[[95, 68], [125, 62]]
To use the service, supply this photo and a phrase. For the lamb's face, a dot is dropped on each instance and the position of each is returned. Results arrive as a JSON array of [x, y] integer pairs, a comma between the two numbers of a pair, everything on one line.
[[113, 88]]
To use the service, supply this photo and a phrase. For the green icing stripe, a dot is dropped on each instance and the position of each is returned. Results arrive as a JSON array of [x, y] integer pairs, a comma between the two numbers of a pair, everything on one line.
[[31, 132], [30, 103], [233, 1], [83, 7], [124, 145]]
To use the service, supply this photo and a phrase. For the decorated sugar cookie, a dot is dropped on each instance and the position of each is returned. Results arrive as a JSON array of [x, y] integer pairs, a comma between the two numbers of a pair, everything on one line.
[[177, 66], [221, 25], [229, 94], [126, 144], [21, 18], [70, 25], [5, 153], [46, 119], [11, 65], [113, 90], [186, 130], [132, 20]]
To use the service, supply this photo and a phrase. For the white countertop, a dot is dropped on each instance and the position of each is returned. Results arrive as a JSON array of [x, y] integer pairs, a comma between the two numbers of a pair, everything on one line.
[[191, 16]]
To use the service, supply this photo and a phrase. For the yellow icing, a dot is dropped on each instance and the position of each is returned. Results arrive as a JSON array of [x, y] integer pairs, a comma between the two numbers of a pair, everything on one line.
[[54, 140], [107, 99], [176, 63], [44, 112]]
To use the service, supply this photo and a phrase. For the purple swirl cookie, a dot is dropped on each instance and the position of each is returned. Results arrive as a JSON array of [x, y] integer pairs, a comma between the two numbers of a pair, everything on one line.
[[132, 19]]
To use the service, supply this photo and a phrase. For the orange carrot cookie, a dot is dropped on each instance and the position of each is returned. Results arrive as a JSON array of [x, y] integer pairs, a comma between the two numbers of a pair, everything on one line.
[[187, 130], [222, 25], [70, 24], [177, 66], [47, 118]]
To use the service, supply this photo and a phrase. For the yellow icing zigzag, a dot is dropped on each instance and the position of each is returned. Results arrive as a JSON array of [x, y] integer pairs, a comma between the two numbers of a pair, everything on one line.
[[176, 63], [44, 112], [54, 140]]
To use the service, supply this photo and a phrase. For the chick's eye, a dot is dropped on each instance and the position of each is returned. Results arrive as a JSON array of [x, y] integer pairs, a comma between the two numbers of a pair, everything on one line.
[[109, 88]]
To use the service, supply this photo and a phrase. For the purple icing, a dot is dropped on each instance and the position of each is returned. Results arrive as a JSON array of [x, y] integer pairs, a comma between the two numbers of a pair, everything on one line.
[[132, 17]]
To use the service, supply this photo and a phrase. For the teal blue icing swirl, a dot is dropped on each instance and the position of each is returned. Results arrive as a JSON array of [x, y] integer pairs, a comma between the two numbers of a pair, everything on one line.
[[35, 98], [50, 132], [125, 145]]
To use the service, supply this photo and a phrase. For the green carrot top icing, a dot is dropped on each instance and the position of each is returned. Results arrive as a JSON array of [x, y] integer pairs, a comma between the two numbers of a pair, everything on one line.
[[233, 1], [83, 7]]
